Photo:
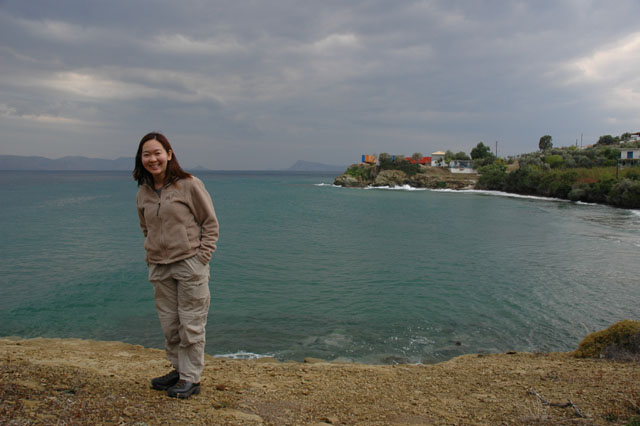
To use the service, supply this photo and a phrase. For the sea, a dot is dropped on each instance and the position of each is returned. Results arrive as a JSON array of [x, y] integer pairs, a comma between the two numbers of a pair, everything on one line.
[[308, 269]]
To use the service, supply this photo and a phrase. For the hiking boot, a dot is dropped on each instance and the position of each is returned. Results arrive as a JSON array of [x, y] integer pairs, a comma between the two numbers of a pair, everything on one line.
[[166, 381], [183, 389]]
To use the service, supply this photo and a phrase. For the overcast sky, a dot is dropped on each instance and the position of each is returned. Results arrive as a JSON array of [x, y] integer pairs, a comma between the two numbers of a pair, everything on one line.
[[261, 84]]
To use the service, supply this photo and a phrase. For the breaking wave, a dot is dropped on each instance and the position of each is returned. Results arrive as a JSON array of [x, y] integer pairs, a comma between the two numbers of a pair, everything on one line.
[[327, 184], [501, 194], [243, 355], [397, 188]]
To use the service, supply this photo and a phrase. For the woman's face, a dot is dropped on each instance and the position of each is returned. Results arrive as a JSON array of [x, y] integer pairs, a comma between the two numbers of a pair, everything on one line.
[[155, 158]]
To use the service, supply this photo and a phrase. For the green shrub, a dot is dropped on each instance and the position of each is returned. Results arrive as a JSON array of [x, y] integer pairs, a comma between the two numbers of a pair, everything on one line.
[[598, 192], [478, 163], [621, 337], [492, 177], [408, 168], [554, 161], [361, 171], [525, 180], [577, 193], [570, 157], [562, 183], [633, 174], [626, 194]]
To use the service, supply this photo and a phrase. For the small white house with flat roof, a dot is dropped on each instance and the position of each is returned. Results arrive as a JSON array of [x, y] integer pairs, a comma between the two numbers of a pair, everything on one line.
[[437, 159], [629, 157]]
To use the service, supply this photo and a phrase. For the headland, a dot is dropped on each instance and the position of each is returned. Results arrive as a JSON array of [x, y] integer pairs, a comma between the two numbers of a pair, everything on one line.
[[366, 175]]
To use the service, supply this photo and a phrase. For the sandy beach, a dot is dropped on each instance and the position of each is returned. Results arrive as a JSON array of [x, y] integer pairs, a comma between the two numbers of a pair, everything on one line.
[[72, 381]]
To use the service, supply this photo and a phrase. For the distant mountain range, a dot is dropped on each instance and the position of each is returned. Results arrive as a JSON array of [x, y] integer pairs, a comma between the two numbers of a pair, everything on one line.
[[19, 162]]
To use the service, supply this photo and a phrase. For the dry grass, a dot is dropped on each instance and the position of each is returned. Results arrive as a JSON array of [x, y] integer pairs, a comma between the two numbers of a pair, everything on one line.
[[69, 381]]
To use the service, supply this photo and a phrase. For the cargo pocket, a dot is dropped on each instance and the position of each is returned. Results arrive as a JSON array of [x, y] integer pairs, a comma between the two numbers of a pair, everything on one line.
[[194, 297], [193, 288]]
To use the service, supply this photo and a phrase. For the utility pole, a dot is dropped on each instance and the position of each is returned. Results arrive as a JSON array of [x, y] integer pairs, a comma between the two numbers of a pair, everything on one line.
[[580, 140], [496, 149]]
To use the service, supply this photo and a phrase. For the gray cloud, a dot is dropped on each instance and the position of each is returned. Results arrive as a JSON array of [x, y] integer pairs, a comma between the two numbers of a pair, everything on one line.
[[254, 85]]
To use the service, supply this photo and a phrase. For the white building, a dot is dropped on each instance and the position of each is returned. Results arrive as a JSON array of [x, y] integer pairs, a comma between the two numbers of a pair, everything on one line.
[[437, 159], [629, 156], [461, 166]]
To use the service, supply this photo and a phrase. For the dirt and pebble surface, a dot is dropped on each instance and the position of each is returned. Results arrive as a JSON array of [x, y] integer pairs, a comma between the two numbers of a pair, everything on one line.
[[71, 381]]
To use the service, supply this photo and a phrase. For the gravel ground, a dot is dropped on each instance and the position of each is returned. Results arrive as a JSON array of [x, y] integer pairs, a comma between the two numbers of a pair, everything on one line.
[[71, 381]]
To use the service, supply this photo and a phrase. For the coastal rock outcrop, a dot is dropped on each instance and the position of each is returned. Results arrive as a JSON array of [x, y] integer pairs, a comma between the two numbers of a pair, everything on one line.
[[391, 178], [348, 181], [449, 180], [362, 175]]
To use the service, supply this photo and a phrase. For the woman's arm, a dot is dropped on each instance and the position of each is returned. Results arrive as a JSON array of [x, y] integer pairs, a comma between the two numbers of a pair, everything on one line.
[[206, 217], [143, 223]]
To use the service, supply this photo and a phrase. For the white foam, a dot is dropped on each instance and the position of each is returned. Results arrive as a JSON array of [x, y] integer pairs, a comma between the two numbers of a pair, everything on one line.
[[243, 355], [502, 194], [421, 340], [397, 188], [481, 192]]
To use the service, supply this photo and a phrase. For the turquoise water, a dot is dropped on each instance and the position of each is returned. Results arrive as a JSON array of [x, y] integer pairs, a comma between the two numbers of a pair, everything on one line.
[[308, 269]]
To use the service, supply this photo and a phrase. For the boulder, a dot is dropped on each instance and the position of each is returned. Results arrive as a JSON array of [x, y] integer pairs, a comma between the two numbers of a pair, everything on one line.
[[348, 180], [390, 178], [422, 180]]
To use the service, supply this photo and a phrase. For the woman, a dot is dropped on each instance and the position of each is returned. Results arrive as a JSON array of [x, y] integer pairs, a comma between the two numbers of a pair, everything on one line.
[[181, 230]]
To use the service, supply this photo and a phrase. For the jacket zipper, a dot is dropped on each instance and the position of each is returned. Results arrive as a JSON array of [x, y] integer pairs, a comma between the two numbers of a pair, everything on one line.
[[159, 202]]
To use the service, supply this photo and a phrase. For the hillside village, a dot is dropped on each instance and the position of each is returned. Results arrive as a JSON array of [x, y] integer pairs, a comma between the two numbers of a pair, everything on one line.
[[418, 171], [437, 159], [605, 172]]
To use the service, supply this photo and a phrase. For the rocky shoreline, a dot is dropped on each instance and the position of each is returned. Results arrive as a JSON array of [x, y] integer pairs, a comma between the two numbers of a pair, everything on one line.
[[361, 176], [72, 381]]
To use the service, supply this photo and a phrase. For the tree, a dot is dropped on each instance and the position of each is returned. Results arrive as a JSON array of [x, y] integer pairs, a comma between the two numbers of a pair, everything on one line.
[[417, 156], [398, 159], [461, 156], [545, 143], [606, 140], [481, 151], [448, 156], [384, 158]]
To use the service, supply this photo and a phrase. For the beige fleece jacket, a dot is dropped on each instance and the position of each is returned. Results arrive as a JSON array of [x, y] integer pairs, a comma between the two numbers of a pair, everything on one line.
[[179, 224]]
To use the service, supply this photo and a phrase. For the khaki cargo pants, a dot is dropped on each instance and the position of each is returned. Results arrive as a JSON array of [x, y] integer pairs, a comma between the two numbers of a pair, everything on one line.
[[182, 302]]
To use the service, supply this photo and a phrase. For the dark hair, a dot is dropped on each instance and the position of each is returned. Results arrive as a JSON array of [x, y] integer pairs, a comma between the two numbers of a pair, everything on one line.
[[174, 171]]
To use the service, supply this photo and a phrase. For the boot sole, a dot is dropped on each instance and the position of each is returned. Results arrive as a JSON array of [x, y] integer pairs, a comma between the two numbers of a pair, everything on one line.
[[185, 395], [161, 387]]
